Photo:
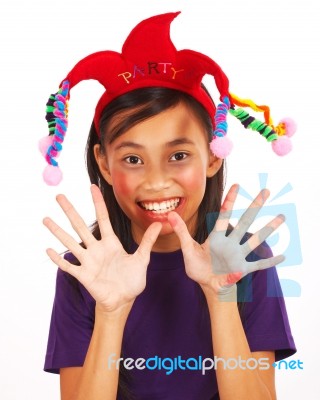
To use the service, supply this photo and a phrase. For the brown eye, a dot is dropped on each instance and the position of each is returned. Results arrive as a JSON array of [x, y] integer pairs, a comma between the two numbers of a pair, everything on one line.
[[133, 160], [178, 156]]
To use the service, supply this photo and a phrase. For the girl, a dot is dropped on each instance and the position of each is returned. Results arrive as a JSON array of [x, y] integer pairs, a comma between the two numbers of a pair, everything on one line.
[[182, 313]]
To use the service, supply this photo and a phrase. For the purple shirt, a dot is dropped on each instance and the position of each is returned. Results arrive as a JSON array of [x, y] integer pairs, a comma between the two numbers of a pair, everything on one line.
[[170, 318]]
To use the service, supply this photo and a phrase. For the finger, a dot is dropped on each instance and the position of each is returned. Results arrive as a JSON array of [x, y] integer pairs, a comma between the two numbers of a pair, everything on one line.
[[75, 219], [181, 230], [63, 263], [68, 241], [260, 236], [249, 215], [101, 212], [148, 240], [226, 210], [264, 263]]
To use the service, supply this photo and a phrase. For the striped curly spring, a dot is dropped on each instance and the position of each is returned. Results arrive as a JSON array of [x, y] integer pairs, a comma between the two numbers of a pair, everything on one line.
[[56, 116], [278, 135], [250, 122], [50, 146]]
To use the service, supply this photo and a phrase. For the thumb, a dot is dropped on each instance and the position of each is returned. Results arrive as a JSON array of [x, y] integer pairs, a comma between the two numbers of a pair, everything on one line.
[[181, 230], [148, 240]]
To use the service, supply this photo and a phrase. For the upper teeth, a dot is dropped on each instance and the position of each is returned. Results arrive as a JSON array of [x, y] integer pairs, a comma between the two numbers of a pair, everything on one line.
[[164, 205]]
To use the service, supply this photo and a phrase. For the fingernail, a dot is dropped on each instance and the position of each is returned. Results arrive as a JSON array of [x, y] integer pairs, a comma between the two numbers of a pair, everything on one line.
[[234, 278]]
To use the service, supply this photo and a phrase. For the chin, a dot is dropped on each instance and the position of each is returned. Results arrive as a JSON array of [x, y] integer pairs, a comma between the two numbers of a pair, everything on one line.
[[166, 229]]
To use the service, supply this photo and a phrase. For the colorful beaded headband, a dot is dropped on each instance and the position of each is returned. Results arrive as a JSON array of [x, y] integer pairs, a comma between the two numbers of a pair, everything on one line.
[[149, 59]]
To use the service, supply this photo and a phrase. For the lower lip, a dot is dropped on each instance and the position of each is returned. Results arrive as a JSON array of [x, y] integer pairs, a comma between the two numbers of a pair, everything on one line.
[[163, 216]]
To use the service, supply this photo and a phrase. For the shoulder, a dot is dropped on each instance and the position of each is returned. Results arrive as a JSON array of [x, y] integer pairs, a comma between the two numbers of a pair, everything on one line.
[[258, 284], [69, 289], [71, 258], [260, 252], [64, 279]]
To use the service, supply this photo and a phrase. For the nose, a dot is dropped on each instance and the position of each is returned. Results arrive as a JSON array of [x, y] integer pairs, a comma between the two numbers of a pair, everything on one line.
[[157, 178]]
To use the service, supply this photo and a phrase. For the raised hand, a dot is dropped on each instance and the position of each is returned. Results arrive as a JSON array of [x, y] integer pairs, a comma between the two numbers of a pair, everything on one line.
[[112, 276], [220, 261]]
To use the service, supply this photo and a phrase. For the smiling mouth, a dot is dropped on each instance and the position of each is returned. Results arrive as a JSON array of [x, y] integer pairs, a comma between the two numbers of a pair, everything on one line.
[[160, 207]]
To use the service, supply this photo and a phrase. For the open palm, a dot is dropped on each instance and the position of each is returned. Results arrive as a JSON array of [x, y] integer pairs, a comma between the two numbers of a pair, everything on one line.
[[111, 275], [220, 261]]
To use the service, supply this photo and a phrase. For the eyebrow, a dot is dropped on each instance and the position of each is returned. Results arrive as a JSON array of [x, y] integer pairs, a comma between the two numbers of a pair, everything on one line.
[[173, 143]]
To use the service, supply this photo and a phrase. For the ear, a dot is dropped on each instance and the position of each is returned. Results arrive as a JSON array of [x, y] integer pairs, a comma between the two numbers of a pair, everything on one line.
[[102, 162], [214, 164]]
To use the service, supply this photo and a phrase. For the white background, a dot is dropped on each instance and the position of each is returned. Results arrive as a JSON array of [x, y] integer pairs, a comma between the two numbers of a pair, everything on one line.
[[268, 49]]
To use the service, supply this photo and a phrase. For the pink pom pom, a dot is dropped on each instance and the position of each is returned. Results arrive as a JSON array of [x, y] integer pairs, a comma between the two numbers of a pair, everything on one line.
[[281, 146], [44, 144], [291, 126], [52, 175], [221, 146]]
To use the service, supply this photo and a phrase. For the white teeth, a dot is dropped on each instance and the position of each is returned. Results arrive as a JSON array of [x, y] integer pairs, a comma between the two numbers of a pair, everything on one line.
[[163, 207]]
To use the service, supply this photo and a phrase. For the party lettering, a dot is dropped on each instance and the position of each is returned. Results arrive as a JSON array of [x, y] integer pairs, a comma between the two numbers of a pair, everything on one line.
[[153, 68]]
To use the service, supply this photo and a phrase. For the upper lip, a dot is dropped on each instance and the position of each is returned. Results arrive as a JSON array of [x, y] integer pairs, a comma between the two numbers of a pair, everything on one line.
[[159, 200]]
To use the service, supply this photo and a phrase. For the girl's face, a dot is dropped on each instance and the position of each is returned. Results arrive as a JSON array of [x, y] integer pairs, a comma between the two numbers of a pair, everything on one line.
[[157, 166]]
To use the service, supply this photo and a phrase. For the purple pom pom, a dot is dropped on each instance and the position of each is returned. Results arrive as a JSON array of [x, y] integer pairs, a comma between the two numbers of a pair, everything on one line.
[[281, 146], [291, 126], [52, 175], [221, 146], [44, 144]]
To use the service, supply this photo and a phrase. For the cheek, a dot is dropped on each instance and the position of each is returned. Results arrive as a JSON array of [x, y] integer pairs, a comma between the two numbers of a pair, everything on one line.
[[123, 184], [193, 179]]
